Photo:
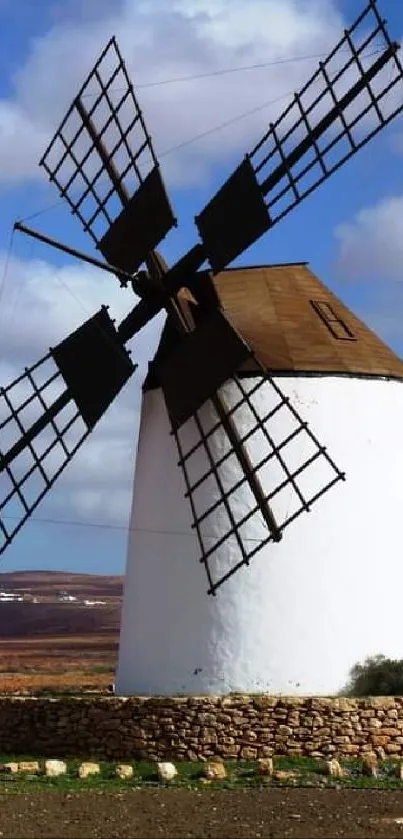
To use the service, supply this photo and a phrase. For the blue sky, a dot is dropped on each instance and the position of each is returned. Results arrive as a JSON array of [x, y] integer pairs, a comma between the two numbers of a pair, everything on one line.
[[350, 230]]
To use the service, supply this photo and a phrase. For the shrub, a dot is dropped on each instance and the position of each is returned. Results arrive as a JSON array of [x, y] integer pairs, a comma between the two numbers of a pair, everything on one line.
[[377, 676]]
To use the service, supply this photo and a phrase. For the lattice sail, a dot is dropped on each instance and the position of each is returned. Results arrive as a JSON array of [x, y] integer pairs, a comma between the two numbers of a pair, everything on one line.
[[293, 469], [28, 469], [48, 411], [103, 163], [353, 95]]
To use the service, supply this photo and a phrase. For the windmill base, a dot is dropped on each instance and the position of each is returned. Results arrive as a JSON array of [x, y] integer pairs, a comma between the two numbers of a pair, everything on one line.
[[307, 609]]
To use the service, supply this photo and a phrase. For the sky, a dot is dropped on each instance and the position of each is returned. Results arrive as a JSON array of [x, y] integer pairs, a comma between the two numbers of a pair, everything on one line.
[[210, 75]]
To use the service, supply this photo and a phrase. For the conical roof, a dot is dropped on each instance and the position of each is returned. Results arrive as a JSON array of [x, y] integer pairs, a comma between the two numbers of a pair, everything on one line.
[[294, 323]]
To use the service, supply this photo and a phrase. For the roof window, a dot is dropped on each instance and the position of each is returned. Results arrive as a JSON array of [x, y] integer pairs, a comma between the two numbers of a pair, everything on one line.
[[335, 324]]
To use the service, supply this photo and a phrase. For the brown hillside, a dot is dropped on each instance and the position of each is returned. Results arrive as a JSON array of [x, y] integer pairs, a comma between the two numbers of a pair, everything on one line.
[[48, 582], [47, 641]]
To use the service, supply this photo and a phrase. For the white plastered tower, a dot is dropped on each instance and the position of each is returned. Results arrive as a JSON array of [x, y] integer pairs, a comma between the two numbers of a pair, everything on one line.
[[328, 595]]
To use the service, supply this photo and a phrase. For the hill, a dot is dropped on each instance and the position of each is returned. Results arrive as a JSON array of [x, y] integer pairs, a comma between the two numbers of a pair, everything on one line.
[[50, 583], [58, 629]]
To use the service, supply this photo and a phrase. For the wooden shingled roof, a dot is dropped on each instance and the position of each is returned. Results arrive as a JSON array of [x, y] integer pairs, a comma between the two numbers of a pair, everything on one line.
[[293, 322]]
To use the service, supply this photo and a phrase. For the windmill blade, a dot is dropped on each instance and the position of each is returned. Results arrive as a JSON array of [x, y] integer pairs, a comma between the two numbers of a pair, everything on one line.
[[354, 94], [293, 469], [245, 466], [186, 380], [48, 412], [103, 163]]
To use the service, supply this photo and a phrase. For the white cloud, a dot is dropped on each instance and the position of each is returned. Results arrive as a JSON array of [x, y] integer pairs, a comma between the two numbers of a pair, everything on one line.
[[40, 306], [370, 253], [371, 245], [164, 39], [48, 302]]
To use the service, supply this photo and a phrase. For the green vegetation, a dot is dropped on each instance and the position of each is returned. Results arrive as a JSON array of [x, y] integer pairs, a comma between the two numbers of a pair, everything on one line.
[[240, 774], [377, 676]]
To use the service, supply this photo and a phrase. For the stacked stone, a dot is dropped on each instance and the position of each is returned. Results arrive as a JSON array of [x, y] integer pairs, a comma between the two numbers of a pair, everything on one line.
[[198, 728]]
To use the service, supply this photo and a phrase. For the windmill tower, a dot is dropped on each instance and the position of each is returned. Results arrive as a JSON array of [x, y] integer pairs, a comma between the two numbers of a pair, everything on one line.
[[308, 608], [247, 406]]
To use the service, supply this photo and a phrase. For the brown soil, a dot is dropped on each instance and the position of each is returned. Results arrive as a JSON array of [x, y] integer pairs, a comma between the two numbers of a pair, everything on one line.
[[48, 644], [29, 684], [294, 813]]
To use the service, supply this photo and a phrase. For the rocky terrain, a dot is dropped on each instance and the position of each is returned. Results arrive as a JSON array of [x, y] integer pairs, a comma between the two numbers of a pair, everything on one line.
[[58, 630]]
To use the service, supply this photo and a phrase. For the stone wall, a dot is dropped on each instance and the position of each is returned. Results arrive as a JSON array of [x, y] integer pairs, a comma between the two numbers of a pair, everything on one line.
[[193, 727]]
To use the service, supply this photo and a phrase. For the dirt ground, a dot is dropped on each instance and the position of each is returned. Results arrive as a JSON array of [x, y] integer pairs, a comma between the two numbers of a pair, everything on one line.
[[37, 683], [56, 663], [274, 813]]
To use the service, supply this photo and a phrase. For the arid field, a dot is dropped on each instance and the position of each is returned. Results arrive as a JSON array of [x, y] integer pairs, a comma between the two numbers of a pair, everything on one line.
[[58, 631]]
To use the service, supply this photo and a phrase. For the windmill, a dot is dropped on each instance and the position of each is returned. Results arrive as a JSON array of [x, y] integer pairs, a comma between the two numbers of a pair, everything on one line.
[[228, 467]]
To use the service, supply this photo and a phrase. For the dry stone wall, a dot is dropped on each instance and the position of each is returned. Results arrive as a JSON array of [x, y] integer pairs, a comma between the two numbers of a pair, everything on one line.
[[162, 728]]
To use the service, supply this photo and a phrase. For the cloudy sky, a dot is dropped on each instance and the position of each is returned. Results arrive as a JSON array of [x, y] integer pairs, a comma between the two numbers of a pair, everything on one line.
[[210, 75]]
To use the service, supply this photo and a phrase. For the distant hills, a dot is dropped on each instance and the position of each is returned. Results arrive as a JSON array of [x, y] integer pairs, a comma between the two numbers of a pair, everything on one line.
[[55, 602], [55, 621], [47, 583]]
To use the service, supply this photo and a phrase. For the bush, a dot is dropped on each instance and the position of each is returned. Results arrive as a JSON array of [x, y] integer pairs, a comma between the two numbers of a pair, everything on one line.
[[377, 676]]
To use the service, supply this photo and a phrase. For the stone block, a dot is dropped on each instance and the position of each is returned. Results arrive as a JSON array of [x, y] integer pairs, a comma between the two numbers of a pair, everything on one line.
[[86, 769], [8, 768], [54, 768], [30, 767], [332, 768], [214, 770], [370, 765], [124, 771], [265, 766], [166, 771]]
